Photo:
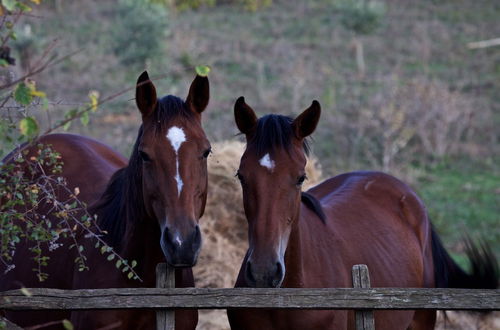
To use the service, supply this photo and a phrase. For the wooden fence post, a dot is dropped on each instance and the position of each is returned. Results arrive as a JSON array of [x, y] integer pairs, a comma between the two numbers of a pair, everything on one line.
[[165, 278], [361, 279]]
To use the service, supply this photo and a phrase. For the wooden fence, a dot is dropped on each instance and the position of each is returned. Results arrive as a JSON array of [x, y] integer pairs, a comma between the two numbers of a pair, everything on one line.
[[165, 298]]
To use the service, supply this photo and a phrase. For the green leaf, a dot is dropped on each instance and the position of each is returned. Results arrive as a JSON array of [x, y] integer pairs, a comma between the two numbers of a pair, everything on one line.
[[134, 263], [130, 275], [67, 126], [67, 324], [22, 94], [28, 126], [94, 100], [85, 118], [23, 7], [202, 70], [26, 292], [45, 103], [10, 5], [118, 264], [111, 257]]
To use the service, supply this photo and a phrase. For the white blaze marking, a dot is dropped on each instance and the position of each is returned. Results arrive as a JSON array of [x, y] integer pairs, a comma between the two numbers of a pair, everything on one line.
[[267, 162], [176, 137]]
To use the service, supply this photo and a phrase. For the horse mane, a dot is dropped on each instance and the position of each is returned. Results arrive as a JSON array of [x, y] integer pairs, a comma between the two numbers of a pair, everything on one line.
[[314, 205], [121, 204], [274, 132], [169, 107]]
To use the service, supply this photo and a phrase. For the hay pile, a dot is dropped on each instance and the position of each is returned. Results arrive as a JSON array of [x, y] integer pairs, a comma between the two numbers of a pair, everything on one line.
[[468, 320], [224, 226]]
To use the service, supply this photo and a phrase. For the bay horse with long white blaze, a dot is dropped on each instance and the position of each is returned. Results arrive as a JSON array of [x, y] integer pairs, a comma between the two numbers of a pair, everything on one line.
[[312, 239], [149, 208]]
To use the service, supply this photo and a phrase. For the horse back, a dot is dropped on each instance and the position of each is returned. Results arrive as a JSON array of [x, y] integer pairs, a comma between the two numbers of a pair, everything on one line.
[[383, 223], [87, 163]]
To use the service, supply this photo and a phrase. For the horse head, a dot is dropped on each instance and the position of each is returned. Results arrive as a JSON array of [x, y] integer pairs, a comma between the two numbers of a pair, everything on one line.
[[271, 172], [172, 152]]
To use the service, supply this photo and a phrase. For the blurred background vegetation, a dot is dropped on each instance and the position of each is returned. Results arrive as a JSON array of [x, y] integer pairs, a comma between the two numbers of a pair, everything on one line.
[[400, 90]]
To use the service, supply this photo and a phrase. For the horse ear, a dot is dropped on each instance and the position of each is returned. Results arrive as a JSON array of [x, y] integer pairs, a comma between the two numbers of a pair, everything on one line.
[[199, 94], [244, 116], [307, 121], [145, 95]]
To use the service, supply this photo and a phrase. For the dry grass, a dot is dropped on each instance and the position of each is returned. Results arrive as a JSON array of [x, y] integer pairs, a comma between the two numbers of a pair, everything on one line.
[[469, 321]]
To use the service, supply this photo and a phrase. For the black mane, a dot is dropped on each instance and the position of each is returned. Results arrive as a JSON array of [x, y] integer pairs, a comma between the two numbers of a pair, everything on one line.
[[313, 204], [170, 107], [121, 204], [274, 132]]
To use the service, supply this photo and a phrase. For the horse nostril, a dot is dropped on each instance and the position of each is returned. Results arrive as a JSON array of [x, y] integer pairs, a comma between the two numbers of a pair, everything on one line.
[[197, 234], [279, 272], [249, 275], [165, 234], [279, 275]]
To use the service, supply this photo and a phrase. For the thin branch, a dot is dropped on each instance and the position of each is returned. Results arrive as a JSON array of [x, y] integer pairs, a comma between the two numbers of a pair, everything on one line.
[[89, 108], [16, 19], [49, 63], [484, 43]]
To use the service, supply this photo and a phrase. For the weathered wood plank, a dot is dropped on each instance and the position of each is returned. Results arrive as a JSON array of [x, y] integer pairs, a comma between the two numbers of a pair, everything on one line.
[[376, 298], [361, 279], [165, 278]]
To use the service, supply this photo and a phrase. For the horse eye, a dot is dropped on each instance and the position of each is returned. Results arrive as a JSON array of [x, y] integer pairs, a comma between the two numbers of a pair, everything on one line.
[[144, 156], [207, 153], [301, 180]]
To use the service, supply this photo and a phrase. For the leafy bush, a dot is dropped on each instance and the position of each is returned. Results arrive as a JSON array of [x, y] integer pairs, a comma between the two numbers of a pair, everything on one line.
[[361, 16], [138, 32]]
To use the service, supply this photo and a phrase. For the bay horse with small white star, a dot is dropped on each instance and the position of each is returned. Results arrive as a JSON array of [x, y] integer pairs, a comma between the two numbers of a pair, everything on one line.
[[312, 239], [148, 206]]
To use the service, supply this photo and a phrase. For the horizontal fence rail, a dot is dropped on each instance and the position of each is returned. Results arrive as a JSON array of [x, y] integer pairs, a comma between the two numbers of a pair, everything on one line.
[[284, 298], [165, 298]]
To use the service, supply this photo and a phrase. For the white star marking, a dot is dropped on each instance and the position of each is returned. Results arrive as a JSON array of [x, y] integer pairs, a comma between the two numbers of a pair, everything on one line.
[[267, 162], [176, 137]]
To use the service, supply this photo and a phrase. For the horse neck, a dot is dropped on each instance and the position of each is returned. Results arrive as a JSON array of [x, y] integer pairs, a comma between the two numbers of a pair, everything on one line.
[[121, 212], [142, 234]]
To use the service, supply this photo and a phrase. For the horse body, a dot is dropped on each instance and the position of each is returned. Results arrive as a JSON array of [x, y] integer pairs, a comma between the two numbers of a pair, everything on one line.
[[358, 230], [144, 212], [312, 239]]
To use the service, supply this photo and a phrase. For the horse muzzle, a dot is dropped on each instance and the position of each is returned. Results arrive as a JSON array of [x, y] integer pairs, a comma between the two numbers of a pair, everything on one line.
[[269, 276], [181, 250]]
